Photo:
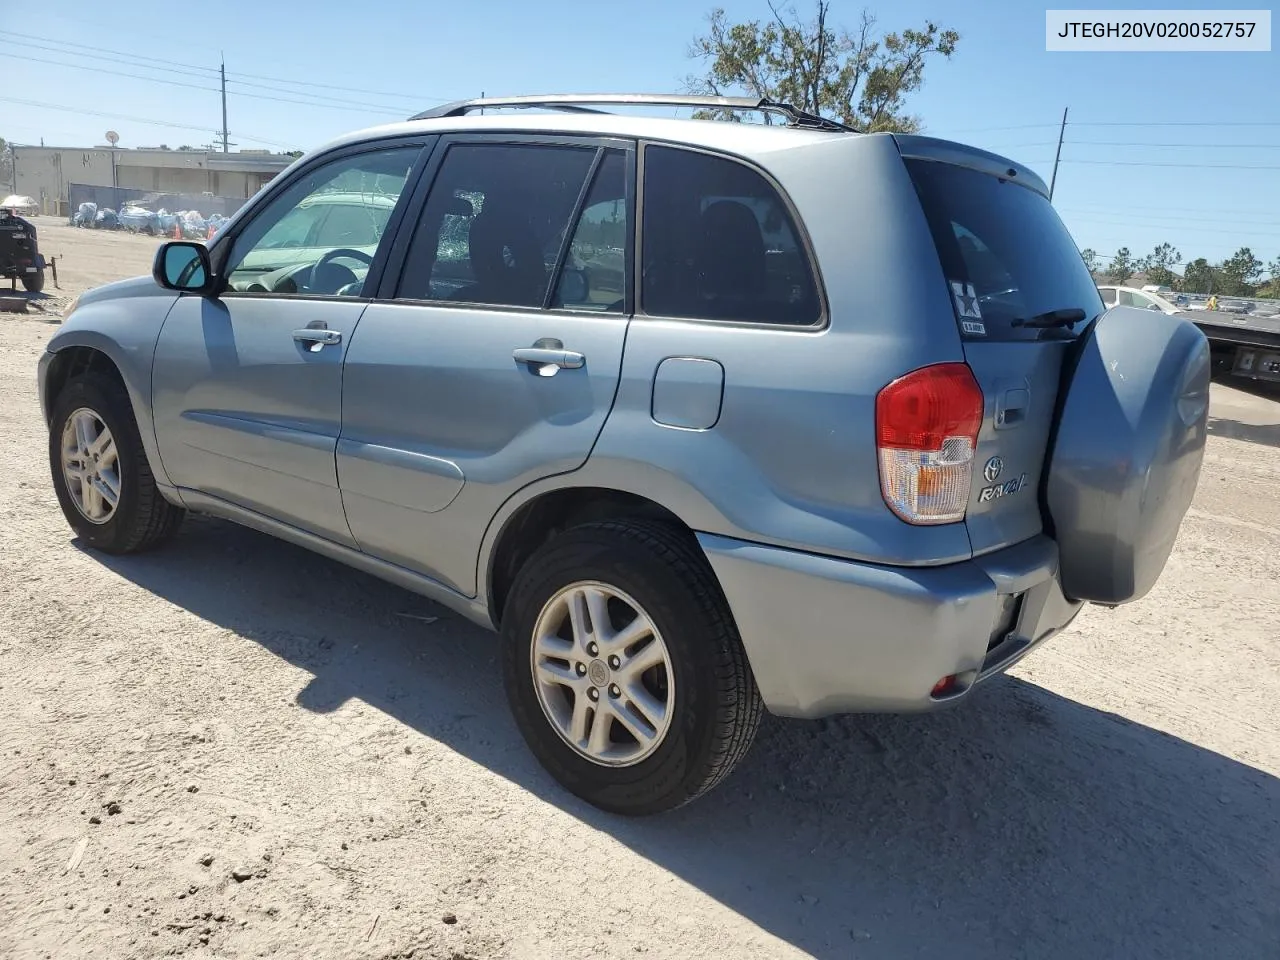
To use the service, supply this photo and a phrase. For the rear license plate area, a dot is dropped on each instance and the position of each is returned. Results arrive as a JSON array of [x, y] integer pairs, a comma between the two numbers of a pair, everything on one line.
[[1006, 619]]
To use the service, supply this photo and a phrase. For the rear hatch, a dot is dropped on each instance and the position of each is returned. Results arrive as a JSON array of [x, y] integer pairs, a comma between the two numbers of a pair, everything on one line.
[[1093, 426], [1012, 268]]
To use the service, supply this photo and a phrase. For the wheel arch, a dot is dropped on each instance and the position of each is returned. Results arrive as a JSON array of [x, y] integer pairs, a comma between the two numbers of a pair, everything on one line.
[[528, 521], [75, 352]]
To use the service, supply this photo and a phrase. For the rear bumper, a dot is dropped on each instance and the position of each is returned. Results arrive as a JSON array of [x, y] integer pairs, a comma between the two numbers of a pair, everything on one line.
[[827, 636]]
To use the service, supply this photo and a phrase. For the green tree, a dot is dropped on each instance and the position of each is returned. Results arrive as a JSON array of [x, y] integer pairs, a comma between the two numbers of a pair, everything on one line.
[[1240, 272], [1158, 265], [1272, 287], [858, 77], [1091, 259], [1122, 266], [1198, 277]]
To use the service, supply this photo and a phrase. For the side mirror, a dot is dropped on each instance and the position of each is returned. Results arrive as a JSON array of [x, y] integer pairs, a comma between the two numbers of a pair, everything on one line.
[[183, 266], [573, 287]]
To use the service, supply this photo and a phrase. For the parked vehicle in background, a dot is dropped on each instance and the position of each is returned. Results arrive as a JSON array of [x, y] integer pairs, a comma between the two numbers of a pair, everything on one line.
[[1143, 299], [20, 257], [613, 386]]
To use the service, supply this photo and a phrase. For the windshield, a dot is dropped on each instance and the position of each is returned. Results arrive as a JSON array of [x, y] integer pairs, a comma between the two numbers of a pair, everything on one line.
[[1005, 253]]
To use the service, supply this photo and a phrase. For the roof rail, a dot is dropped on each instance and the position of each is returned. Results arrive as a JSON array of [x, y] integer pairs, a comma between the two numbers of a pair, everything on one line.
[[585, 102]]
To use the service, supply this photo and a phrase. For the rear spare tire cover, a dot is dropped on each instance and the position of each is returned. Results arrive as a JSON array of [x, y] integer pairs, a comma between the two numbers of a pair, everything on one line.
[[1128, 450]]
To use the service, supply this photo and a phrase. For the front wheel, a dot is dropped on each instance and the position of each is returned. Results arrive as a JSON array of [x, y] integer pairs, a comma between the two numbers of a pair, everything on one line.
[[101, 475], [624, 669]]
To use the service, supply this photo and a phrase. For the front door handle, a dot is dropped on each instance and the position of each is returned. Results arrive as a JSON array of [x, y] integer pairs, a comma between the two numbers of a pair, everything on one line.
[[545, 361], [317, 337]]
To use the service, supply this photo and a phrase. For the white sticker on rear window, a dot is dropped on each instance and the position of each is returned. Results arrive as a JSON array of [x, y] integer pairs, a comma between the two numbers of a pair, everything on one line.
[[966, 300], [974, 327]]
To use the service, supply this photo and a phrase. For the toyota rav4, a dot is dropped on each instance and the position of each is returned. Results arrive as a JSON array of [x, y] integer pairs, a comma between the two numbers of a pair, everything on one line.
[[704, 418]]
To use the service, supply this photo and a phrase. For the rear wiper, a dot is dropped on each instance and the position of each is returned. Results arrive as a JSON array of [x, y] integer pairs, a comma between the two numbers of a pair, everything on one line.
[[1052, 318]]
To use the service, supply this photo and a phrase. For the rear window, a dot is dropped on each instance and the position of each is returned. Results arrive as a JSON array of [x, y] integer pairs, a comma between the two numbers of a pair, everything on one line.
[[1005, 253]]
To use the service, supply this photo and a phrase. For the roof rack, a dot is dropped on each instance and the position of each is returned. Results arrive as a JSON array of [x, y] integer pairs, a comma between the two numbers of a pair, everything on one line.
[[586, 102]]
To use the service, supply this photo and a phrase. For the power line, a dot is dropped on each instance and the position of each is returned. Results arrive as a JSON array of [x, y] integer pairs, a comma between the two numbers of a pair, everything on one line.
[[1138, 143], [131, 61], [1180, 218], [1178, 123], [1245, 230], [128, 59], [361, 108], [1161, 209], [1022, 126], [117, 73], [1157, 163], [186, 127], [211, 73]]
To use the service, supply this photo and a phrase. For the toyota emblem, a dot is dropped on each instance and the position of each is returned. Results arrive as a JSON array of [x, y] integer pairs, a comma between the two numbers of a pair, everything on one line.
[[993, 469]]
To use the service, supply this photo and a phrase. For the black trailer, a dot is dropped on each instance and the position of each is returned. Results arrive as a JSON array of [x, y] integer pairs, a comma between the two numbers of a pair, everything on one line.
[[1242, 344], [20, 257]]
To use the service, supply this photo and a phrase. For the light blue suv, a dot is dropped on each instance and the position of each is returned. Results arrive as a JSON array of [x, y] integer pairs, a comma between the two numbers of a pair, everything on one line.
[[705, 418]]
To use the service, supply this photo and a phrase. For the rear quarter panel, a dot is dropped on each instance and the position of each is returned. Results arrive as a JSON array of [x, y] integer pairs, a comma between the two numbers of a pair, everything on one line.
[[791, 459]]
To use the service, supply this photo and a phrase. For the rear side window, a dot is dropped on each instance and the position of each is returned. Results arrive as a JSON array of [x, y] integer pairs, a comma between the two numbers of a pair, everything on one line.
[[1005, 253], [719, 243], [1109, 297]]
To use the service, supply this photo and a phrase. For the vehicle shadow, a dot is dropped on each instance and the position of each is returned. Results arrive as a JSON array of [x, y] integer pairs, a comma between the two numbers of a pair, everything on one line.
[[1023, 824], [1264, 433]]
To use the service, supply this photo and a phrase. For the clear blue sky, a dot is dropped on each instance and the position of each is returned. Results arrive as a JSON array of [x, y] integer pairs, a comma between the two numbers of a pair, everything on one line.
[[1001, 90]]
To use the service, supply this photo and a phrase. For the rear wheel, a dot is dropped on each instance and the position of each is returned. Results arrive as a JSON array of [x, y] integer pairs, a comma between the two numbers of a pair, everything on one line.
[[624, 669], [34, 282], [100, 471]]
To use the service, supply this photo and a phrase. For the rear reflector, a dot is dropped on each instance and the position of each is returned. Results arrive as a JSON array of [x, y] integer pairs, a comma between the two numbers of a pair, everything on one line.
[[927, 427], [946, 685]]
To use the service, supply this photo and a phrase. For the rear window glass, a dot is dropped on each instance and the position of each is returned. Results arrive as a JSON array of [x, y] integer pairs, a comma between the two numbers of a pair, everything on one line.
[[1005, 253]]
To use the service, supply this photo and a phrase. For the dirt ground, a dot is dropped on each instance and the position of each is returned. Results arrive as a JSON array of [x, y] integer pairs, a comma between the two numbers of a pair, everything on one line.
[[233, 748]]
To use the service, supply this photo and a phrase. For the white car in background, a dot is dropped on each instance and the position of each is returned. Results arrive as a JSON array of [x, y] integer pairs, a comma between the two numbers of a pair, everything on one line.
[[1142, 299]]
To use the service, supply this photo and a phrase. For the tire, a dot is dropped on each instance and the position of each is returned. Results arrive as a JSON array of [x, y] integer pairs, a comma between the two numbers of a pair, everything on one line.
[[33, 282], [712, 702], [141, 518]]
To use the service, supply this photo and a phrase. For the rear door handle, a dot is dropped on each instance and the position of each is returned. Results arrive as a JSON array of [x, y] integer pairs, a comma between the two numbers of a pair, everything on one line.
[[318, 337], [546, 361]]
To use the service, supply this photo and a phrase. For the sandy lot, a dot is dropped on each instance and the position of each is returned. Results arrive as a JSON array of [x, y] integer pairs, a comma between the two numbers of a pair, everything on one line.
[[233, 748]]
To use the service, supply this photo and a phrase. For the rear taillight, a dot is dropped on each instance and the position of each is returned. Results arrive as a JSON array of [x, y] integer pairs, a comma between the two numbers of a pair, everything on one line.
[[926, 432]]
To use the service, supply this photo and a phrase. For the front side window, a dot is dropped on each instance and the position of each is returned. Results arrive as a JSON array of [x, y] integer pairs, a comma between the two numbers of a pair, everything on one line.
[[494, 223], [720, 244], [320, 236]]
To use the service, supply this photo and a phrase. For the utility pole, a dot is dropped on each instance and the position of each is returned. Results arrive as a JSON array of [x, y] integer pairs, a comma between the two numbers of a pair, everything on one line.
[[1058, 156], [225, 135]]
